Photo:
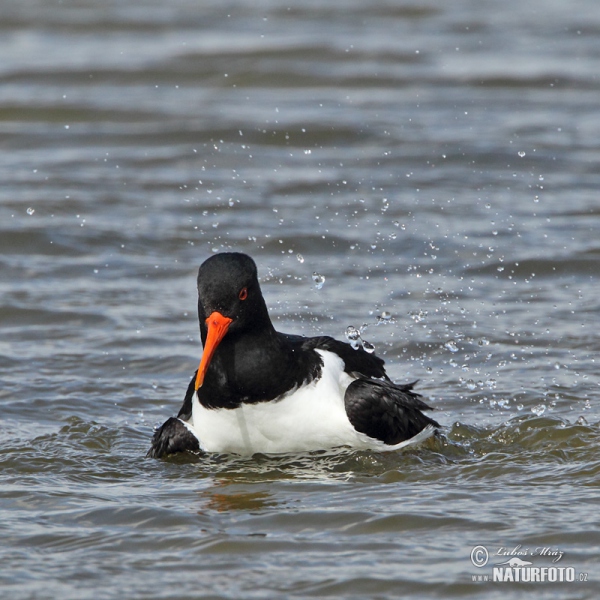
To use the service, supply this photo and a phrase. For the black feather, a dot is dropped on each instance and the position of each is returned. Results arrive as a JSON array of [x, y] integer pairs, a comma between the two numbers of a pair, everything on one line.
[[356, 361], [385, 411], [185, 412], [173, 436]]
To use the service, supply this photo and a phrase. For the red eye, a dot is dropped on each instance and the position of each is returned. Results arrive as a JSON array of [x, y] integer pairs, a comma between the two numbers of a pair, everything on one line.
[[243, 294]]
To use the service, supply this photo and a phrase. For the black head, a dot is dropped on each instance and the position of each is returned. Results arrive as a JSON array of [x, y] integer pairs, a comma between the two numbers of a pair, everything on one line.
[[228, 284], [229, 302]]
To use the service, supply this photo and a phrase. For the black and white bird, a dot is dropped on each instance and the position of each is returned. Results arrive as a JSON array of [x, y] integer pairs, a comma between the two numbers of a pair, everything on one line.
[[260, 391]]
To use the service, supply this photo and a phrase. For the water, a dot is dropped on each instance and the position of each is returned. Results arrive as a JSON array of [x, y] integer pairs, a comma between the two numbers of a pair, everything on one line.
[[436, 164]]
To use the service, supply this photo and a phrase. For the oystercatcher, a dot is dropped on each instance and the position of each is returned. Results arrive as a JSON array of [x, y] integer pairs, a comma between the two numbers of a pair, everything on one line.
[[260, 391]]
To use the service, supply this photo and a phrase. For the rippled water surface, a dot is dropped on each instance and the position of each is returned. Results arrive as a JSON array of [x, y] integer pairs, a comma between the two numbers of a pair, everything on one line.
[[438, 161]]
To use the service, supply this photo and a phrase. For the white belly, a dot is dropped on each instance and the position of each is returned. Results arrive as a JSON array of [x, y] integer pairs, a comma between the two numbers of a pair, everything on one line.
[[311, 418]]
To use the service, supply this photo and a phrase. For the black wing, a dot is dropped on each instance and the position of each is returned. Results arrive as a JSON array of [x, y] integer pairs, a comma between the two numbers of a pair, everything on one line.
[[172, 437], [185, 412], [385, 411], [356, 361]]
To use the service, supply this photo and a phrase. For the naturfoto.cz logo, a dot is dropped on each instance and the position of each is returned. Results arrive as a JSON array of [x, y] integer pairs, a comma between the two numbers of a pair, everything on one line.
[[515, 566]]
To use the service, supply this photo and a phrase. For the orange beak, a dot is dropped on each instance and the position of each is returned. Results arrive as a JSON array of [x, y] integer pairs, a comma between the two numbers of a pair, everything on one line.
[[217, 328]]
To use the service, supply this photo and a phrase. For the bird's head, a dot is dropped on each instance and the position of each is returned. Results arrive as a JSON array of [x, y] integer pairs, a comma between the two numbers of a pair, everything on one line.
[[230, 302]]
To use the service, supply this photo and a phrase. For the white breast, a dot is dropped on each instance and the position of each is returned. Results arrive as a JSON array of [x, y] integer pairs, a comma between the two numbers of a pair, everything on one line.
[[312, 417]]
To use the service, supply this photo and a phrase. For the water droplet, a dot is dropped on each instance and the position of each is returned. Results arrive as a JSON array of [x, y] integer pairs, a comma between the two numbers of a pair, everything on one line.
[[539, 410], [353, 336], [30, 211], [451, 345], [300, 258], [352, 333], [521, 153], [384, 317], [368, 347], [418, 316], [318, 279]]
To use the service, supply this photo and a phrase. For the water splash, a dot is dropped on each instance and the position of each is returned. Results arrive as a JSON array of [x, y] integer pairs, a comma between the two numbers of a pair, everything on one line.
[[418, 316], [538, 410], [451, 345], [353, 336], [368, 347], [385, 317], [319, 280]]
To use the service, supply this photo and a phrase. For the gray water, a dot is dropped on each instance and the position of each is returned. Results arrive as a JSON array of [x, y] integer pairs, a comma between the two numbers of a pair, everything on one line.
[[438, 161]]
